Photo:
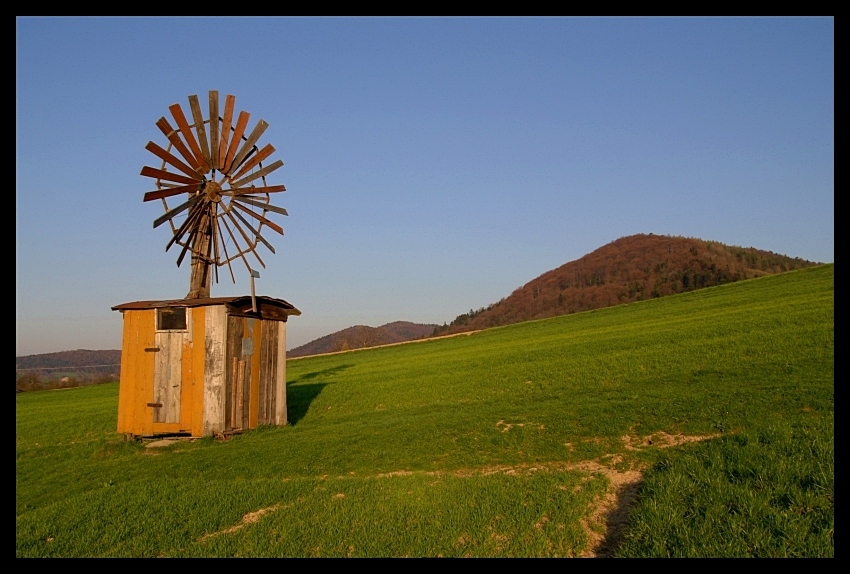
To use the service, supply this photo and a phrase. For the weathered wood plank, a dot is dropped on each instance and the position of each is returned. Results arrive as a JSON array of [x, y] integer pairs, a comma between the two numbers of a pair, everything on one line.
[[215, 329], [232, 379], [194, 215], [169, 158], [186, 376], [170, 192], [155, 173], [280, 383], [263, 400], [214, 137], [197, 342], [267, 150], [125, 380], [258, 174], [234, 354], [186, 132], [239, 403], [262, 205], [173, 212], [168, 377], [229, 102], [274, 359], [259, 217], [145, 364], [241, 123], [175, 140], [160, 363], [198, 118], [261, 189], [254, 404], [269, 359], [245, 372], [249, 143]]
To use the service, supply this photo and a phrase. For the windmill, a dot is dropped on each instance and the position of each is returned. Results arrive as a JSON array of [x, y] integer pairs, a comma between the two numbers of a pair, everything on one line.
[[216, 172], [202, 365]]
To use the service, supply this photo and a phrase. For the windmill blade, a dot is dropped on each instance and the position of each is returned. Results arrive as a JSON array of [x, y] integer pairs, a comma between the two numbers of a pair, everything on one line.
[[259, 217], [262, 205], [168, 158], [178, 235], [197, 235], [169, 175], [254, 231], [247, 239], [252, 190], [249, 144], [261, 155], [258, 174], [229, 102], [214, 129], [183, 252], [198, 118], [175, 140], [241, 123], [236, 243], [171, 191], [224, 249], [177, 210], [186, 131]]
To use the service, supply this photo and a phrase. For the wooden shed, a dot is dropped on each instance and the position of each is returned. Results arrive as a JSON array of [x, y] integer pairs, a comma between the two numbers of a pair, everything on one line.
[[203, 366]]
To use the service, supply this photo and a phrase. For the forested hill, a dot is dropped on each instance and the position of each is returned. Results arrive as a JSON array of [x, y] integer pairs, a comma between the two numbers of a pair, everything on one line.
[[361, 336], [95, 361], [629, 269]]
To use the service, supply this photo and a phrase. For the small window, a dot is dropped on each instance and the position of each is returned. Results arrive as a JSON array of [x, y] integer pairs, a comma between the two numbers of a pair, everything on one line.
[[171, 319]]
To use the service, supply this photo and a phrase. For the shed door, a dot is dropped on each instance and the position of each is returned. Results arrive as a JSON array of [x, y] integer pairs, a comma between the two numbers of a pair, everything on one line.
[[167, 377]]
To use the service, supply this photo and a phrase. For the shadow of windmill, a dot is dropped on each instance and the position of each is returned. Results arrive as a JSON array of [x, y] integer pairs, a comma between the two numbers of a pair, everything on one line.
[[302, 391]]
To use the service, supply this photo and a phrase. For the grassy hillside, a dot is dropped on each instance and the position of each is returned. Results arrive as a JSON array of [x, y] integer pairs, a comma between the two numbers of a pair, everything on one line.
[[526, 440]]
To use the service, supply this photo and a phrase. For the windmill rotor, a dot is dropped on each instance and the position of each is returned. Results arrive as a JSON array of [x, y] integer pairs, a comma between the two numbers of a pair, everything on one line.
[[215, 179]]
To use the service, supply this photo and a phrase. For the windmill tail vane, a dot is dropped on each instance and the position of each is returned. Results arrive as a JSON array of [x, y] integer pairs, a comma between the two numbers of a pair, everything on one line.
[[217, 174]]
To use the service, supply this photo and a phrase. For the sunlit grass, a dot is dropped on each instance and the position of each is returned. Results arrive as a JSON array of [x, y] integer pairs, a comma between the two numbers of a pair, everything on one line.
[[457, 446]]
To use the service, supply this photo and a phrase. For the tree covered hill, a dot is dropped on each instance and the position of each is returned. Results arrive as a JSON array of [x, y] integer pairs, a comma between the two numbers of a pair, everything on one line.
[[629, 269], [361, 336], [90, 361]]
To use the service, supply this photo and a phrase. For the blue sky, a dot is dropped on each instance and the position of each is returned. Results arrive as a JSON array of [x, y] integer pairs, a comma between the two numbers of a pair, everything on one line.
[[432, 165]]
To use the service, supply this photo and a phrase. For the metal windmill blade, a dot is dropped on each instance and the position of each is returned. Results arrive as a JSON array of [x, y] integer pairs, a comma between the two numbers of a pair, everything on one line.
[[214, 176]]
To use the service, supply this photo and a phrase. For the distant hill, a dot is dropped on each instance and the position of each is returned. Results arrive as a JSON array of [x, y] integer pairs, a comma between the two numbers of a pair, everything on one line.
[[629, 269], [81, 361], [361, 336]]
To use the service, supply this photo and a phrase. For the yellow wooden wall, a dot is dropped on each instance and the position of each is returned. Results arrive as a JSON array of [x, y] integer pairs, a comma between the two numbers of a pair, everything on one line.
[[137, 375], [203, 384]]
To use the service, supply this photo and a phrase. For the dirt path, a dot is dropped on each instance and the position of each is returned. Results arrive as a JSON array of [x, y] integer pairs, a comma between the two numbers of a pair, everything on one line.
[[605, 524]]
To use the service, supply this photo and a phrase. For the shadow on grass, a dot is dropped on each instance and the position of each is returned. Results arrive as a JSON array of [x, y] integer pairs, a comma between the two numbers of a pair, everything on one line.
[[298, 400], [299, 395], [617, 520], [324, 373]]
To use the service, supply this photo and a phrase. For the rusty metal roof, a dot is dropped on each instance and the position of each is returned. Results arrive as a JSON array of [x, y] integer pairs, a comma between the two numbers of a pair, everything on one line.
[[238, 302]]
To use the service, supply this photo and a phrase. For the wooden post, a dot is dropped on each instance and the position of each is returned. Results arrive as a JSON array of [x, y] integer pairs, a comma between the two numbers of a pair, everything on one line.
[[199, 282]]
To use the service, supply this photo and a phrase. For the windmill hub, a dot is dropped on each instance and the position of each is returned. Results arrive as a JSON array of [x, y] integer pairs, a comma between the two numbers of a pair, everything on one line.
[[213, 189]]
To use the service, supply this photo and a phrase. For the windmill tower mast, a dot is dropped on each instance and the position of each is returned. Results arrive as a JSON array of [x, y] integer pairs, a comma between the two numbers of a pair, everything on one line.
[[200, 278]]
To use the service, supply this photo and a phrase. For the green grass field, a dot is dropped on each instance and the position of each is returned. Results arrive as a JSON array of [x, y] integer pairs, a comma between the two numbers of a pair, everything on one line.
[[526, 440]]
